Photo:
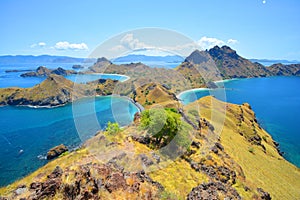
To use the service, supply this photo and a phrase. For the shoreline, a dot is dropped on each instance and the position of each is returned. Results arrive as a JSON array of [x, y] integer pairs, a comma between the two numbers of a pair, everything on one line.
[[205, 89], [121, 75]]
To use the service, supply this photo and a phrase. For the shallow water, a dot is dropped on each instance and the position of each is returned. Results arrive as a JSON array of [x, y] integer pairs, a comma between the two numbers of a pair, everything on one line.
[[28, 133]]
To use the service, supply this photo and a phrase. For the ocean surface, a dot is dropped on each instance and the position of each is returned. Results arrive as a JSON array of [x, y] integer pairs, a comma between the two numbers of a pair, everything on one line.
[[276, 102], [26, 134]]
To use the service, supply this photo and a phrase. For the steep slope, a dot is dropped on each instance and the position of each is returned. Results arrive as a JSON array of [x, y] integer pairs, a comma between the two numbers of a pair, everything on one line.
[[242, 164], [231, 65], [254, 150]]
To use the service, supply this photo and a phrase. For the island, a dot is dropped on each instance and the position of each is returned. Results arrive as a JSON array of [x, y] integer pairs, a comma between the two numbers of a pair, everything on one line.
[[189, 157]]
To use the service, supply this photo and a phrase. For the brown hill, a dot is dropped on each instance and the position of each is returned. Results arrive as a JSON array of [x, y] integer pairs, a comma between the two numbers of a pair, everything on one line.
[[54, 91], [155, 94], [285, 70], [43, 71]]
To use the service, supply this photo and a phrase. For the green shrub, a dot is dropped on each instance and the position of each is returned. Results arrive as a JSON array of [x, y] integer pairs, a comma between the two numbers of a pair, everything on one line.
[[112, 128]]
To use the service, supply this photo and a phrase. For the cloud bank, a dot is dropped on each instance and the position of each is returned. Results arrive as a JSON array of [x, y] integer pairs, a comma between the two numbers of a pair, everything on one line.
[[209, 42], [70, 46]]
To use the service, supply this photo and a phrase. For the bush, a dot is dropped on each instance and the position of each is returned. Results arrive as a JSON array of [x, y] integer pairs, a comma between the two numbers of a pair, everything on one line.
[[112, 128]]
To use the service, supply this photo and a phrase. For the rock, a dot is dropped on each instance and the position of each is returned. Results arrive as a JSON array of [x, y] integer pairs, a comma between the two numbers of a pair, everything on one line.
[[219, 146], [137, 118], [247, 105], [20, 190], [56, 151], [77, 67], [56, 173], [146, 161], [264, 195], [214, 149], [115, 181], [156, 157], [213, 191], [211, 85], [196, 144], [48, 188]]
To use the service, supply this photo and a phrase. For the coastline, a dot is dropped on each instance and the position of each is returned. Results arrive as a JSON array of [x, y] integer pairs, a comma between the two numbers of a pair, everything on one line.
[[121, 75]]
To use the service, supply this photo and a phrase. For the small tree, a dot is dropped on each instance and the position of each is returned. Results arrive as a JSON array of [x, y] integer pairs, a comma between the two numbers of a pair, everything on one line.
[[112, 128], [162, 124]]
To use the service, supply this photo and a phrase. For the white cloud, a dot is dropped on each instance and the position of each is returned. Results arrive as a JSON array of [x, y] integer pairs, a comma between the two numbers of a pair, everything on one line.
[[208, 42], [40, 44], [232, 41], [70, 46], [132, 43]]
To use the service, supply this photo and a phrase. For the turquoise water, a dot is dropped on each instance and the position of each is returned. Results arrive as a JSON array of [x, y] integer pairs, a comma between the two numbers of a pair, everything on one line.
[[26, 134], [276, 102]]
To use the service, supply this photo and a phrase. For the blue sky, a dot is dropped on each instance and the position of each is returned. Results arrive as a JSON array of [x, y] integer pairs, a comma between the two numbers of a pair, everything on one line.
[[255, 28]]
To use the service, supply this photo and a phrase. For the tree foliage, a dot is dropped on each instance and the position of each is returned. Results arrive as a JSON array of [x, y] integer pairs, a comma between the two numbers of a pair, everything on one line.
[[164, 125], [112, 128]]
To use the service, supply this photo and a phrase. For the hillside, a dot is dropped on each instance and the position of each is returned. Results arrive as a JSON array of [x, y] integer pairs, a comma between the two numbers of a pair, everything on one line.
[[54, 91], [242, 164], [285, 70]]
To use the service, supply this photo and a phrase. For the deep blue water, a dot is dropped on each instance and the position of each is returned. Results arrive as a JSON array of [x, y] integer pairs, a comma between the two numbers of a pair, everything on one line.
[[35, 131], [276, 102]]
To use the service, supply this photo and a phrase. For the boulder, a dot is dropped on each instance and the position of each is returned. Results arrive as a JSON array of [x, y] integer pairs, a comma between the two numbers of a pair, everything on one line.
[[56, 151]]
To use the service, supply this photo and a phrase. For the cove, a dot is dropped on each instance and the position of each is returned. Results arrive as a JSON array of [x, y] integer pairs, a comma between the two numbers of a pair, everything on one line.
[[27, 134]]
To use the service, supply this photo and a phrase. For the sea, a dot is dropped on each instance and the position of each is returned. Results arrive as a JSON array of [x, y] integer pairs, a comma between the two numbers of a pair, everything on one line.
[[276, 102], [26, 134]]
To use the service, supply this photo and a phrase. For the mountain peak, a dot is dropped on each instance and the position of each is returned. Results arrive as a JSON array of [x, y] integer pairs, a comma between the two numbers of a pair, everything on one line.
[[224, 50], [103, 59], [197, 57]]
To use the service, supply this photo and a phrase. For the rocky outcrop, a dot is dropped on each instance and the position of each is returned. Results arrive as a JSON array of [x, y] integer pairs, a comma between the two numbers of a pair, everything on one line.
[[56, 151], [91, 181], [77, 67], [43, 71], [213, 190]]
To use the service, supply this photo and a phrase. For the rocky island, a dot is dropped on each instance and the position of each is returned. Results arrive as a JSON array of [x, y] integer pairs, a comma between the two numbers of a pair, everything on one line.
[[242, 162], [43, 71]]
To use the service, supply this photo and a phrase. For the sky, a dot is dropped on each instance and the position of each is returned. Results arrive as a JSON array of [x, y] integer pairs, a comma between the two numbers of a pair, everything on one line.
[[254, 28]]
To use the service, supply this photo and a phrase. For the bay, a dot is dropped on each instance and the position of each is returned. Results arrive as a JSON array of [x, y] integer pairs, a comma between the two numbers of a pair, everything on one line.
[[276, 102]]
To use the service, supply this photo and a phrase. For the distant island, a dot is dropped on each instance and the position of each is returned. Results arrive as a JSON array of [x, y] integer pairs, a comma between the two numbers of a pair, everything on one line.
[[228, 63], [244, 161]]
